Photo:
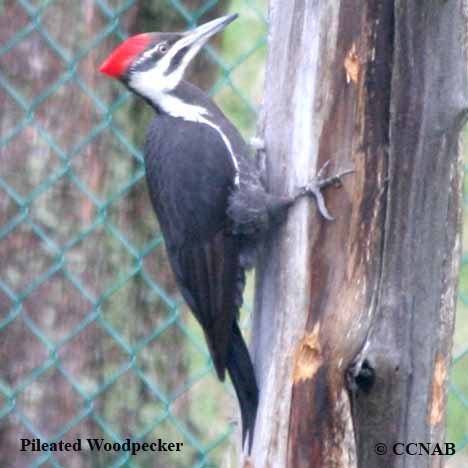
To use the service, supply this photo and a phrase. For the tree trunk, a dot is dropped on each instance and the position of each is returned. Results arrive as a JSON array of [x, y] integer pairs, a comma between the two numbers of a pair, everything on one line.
[[354, 318]]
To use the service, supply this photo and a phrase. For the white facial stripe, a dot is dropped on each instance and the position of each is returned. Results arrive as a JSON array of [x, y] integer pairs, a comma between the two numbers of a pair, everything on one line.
[[194, 40], [176, 75], [145, 55], [146, 82]]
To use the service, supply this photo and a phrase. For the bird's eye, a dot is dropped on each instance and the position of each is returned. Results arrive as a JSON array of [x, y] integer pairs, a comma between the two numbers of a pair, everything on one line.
[[163, 48]]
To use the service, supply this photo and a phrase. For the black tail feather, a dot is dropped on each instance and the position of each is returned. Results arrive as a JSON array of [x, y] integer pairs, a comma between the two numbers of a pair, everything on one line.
[[242, 375]]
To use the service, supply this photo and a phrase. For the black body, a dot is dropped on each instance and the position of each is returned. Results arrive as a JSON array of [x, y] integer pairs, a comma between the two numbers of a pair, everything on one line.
[[210, 226]]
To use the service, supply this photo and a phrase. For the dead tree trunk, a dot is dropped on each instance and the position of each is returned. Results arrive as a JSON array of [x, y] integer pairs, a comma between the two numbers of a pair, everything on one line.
[[354, 318]]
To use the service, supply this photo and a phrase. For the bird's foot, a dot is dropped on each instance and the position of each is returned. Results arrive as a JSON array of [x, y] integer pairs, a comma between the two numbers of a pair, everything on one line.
[[319, 183]]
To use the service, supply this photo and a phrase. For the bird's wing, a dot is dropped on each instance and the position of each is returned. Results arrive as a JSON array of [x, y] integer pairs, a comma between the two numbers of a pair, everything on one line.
[[208, 275], [211, 280], [190, 178]]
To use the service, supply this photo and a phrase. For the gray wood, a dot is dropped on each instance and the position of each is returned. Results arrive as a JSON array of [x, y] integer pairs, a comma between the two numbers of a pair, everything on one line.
[[381, 86]]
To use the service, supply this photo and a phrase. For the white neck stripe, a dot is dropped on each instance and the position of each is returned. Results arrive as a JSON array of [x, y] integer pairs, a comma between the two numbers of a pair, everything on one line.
[[228, 146], [175, 107]]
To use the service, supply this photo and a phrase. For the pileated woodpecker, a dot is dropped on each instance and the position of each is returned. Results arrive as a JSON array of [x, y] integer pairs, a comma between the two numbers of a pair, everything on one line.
[[206, 191]]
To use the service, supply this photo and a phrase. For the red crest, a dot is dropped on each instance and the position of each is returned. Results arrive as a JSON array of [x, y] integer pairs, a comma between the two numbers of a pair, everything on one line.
[[122, 57]]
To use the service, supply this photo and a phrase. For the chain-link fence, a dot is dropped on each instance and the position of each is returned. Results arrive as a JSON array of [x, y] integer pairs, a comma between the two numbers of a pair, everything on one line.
[[457, 414], [94, 339]]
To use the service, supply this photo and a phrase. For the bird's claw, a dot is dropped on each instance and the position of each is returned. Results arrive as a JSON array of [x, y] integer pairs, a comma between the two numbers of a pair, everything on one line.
[[322, 170], [319, 183]]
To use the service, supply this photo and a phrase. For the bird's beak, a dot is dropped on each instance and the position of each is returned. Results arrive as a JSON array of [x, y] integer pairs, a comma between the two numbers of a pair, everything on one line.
[[198, 36]]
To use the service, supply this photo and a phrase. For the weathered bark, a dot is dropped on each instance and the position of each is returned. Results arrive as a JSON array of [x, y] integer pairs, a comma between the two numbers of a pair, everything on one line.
[[354, 317]]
